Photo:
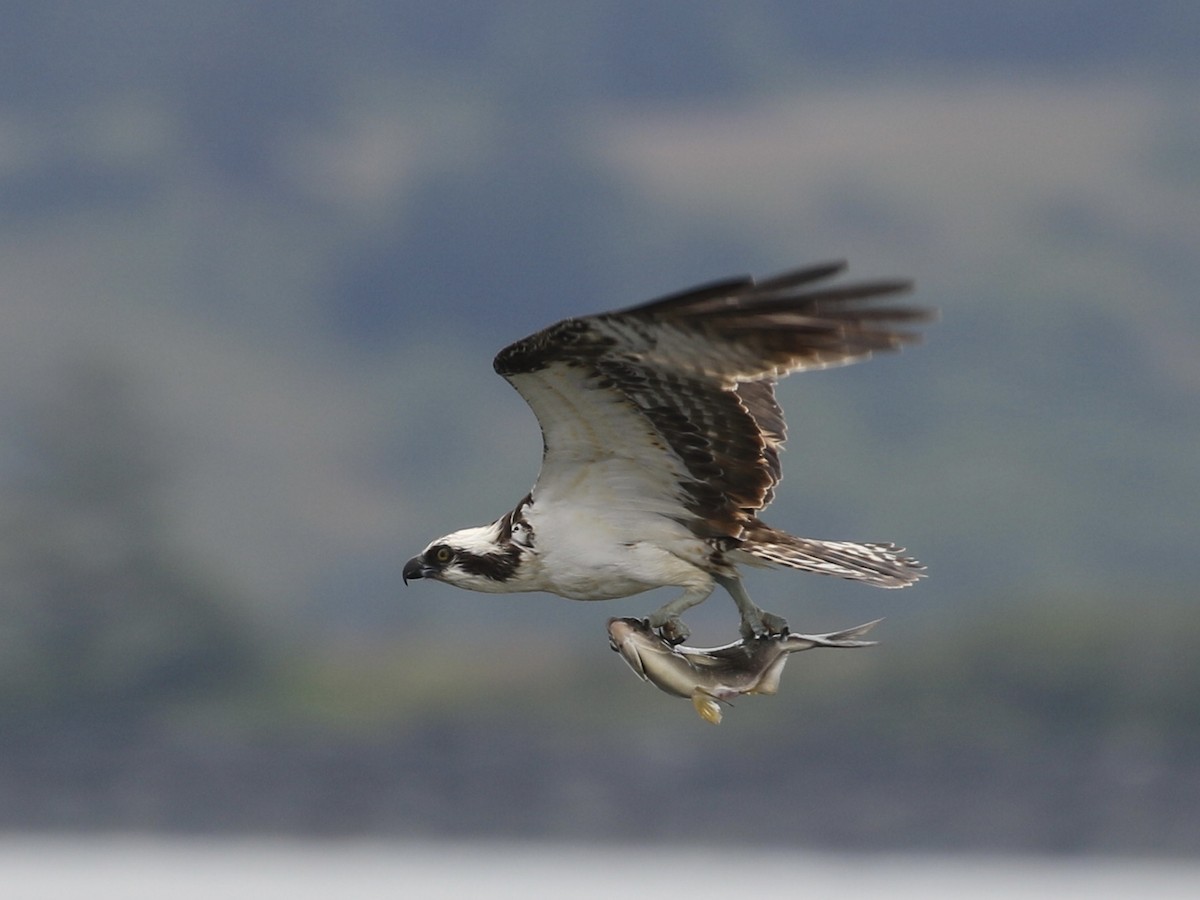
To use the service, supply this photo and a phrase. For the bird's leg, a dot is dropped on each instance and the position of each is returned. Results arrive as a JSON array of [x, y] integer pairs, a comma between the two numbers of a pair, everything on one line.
[[755, 622], [666, 619]]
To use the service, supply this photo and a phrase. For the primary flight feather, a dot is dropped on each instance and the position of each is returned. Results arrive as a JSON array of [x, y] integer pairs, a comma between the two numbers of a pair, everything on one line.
[[661, 440]]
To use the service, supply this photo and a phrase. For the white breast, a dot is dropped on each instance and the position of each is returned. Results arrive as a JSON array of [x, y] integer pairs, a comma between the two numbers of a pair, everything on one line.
[[591, 550]]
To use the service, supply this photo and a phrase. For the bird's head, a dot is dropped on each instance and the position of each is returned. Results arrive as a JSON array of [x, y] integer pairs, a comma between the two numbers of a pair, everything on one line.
[[487, 558]]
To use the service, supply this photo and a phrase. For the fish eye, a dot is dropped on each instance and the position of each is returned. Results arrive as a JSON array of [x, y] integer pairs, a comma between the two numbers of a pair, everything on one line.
[[442, 554]]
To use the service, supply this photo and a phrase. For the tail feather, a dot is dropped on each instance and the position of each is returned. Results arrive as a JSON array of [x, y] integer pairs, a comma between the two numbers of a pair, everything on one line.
[[880, 565]]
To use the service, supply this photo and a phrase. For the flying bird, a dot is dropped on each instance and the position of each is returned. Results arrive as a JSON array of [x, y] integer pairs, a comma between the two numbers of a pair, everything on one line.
[[661, 441]]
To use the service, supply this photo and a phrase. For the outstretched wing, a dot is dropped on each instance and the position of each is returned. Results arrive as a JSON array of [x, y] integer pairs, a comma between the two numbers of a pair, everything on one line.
[[673, 400]]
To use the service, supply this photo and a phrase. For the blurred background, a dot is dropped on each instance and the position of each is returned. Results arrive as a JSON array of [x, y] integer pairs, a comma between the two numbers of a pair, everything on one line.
[[255, 259]]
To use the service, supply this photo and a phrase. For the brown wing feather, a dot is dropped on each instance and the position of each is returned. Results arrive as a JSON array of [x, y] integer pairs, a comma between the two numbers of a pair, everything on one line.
[[698, 369], [759, 399]]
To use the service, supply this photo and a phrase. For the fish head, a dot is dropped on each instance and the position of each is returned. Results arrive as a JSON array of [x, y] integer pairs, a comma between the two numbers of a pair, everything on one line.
[[632, 638]]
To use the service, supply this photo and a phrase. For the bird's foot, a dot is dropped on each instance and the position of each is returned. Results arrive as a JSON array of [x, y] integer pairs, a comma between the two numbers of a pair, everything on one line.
[[763, 624], [775, 625], [670, 628]]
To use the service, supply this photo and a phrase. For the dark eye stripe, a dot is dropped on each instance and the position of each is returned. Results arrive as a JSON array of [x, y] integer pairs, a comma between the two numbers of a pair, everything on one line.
[[495, 566]]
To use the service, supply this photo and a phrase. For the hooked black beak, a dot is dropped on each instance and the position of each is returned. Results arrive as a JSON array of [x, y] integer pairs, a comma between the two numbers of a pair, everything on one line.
[[413, 569]]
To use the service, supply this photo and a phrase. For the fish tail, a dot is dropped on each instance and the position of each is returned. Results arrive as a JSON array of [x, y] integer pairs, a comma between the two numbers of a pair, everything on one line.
[[847, 638]]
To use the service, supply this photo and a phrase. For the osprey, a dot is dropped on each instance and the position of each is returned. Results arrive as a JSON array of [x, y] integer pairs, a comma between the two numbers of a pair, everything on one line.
[[661, 440]]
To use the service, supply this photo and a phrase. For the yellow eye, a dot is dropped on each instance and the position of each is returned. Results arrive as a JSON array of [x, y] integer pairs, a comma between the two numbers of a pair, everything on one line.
[[443, 554]]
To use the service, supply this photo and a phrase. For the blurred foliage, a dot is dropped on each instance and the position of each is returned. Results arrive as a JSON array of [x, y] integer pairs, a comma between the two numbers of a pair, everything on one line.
[[1028, 671], [102, 618], [1043, 666]]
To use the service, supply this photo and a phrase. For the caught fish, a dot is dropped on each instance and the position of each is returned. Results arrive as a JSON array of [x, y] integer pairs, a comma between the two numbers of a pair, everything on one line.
[[714, 675]]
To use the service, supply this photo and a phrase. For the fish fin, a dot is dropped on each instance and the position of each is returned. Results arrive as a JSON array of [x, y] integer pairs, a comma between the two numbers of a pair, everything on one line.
[[768, 681], [707, 706]]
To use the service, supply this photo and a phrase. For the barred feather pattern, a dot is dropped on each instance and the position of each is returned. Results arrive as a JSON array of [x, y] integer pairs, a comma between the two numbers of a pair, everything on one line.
[[685, 385], [880, 565]]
